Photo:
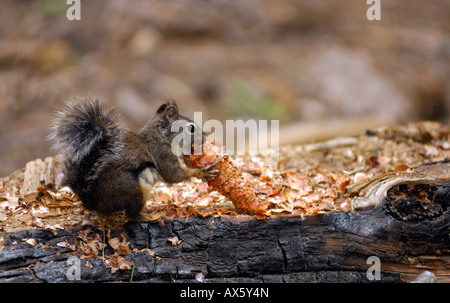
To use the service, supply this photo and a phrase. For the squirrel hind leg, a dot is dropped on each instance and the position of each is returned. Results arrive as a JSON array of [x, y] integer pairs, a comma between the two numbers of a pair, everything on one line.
[[117, 190], [133, 204]]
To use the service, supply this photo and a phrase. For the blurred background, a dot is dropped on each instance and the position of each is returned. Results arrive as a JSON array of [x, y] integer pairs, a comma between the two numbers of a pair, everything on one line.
[[319, 67]]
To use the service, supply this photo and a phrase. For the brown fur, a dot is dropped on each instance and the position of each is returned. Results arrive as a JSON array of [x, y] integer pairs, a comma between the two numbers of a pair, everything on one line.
[[112, 171]]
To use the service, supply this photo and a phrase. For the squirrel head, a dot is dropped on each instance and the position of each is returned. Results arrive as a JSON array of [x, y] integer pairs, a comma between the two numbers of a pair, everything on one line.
[[170, 125]]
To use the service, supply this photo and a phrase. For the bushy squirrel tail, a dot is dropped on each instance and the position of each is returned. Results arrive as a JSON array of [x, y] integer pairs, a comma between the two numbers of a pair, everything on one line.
[[89, 137], [81, 126]]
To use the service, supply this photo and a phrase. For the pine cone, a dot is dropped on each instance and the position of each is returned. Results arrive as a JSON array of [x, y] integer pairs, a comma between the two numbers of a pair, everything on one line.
[[229, 180]]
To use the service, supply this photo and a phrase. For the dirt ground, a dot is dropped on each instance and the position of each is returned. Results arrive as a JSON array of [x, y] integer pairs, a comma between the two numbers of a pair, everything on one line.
[[293, 61]]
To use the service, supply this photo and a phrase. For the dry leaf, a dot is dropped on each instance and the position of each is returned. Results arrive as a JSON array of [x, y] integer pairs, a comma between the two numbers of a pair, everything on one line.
[[66, 245], [30, 241], [88, 264], [202, 202], [402, 167], [148, 250], [344, 184], [36, 222], [120, 247], [116, 262], [10, 202], [91, 244], [359, 177], [200, 277], [174, 240]]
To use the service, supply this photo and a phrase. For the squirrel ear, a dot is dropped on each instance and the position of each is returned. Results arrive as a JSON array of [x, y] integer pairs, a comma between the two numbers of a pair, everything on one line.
[[168, 109], [162, 108]]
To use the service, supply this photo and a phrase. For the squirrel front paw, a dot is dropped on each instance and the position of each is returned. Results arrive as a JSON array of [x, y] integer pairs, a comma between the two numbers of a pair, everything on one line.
[[201, 172], [209, 171]]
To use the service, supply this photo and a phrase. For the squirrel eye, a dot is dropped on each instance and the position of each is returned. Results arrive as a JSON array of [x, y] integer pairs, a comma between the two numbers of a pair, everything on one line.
[[192, 128]]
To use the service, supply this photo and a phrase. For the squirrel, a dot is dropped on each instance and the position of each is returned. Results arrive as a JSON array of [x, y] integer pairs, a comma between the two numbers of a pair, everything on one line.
[[111, 168]]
